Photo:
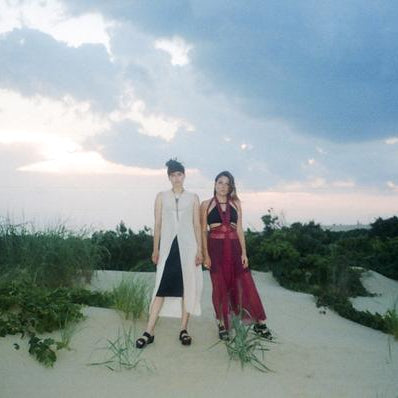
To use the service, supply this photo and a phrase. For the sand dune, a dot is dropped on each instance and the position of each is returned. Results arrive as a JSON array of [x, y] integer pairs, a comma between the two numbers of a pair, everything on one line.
[[316, 355], [386, 291]]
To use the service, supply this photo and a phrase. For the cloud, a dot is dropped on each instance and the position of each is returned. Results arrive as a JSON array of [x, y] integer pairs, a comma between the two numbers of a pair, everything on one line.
[[55, 131], [392, 186], [51, 18], [83, 162], [210, 123], [154, 125], [328, 69], [245, 147], [391, 141], [58, 131], [34, 63], [39, 118], [177, 48], [315, 184]]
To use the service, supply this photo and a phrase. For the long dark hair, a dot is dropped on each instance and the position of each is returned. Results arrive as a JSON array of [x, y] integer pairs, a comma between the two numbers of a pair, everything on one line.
[[232, 188]]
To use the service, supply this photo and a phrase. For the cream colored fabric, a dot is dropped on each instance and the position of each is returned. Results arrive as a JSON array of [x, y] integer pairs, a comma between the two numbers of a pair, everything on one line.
[[183, 228]]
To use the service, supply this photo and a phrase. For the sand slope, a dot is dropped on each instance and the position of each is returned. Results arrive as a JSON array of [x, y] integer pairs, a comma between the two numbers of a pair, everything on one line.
[[317, 355], [386, 291]]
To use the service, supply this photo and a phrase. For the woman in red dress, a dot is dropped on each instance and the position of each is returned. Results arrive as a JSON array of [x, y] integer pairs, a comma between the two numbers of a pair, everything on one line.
[[224, 250]]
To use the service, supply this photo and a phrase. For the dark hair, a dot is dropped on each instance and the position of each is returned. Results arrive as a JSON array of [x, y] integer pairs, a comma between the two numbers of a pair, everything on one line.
[[174, 165], [232, 188]]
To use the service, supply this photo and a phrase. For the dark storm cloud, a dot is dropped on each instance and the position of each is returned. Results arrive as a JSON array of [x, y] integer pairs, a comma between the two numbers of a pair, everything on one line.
[[34, 63]]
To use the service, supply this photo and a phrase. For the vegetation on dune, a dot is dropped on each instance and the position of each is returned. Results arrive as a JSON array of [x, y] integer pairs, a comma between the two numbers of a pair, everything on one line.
[[50, 258], [329, 265], [40, 277], [123, 353], [28, 310], [245, 346], [41, 272], [124, 250], [131, 296]]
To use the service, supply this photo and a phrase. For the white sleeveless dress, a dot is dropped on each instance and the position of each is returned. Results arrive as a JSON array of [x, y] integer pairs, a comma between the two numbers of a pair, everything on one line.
[[177, 221]]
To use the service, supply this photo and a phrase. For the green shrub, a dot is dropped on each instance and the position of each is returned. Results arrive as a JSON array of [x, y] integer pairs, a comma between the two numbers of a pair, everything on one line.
[[123, 249], [344, 308], [43, 350], [52, 258], [27, 308]]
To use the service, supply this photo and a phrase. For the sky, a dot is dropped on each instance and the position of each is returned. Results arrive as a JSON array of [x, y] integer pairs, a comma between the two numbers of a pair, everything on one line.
[[298, 100]]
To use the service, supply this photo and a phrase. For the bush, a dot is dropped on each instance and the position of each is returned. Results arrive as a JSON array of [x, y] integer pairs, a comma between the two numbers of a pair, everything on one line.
[[345, 309], [52, 258], [384, 229], [123, 249]]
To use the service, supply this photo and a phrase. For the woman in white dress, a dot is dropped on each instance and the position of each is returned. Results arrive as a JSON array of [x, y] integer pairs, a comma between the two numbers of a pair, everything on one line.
[[177, 255]]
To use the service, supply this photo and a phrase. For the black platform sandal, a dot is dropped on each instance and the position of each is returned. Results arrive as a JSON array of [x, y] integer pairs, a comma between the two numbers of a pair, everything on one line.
[[185, 338], [262, 330], [223, 333], [142, 342]]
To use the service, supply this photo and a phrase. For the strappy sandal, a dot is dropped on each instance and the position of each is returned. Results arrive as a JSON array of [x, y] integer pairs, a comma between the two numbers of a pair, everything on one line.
[[262, 330], [142, 342], [185, 338], [223, 333]]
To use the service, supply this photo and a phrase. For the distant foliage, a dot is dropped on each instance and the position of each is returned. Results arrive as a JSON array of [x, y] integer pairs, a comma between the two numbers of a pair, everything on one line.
[[51, 258], [305, 257], [124, 250], [384, 229]]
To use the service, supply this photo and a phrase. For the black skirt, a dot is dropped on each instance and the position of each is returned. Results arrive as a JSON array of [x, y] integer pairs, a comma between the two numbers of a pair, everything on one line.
[[172, 284]]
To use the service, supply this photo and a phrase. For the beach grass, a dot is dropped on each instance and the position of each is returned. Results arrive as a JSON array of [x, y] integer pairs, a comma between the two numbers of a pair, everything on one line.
[[131, 296], [68, 329], [245, 346], [53, 257], [123, 353], [391, 320]]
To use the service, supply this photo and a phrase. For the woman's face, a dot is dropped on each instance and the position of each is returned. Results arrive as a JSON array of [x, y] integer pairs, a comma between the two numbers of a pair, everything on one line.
[[177, 178], [222, 186]]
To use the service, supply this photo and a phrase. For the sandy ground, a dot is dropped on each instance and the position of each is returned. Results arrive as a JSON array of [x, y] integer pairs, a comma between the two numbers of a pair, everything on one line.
[[386, 291], [316, 355]]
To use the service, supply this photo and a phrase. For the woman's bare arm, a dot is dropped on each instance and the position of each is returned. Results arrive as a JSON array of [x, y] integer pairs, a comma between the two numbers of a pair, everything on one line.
[[203, 221], [157, 228], [198, 235], [241, 235]]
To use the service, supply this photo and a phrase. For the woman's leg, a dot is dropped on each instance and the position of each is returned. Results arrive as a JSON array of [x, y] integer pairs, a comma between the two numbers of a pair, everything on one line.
[[184, 316], [184, 337], [153, 316], [147, 336]]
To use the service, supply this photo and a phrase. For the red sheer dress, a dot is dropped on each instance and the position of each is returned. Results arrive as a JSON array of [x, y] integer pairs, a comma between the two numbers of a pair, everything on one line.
[[234, 291]]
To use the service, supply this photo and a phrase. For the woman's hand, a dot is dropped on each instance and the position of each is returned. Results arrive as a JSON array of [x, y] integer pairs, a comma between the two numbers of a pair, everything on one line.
[[207, 261], [245, 261], [198, 258], [155, 257]]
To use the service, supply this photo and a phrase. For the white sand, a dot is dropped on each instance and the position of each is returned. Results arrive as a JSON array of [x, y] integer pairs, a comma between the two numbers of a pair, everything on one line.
[[386, 291], [316, 355]]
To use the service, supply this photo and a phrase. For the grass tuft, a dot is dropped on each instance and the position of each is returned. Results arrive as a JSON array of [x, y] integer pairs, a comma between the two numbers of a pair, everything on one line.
[[132, 297], [123, 353], [391, 320], [245, 346]]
